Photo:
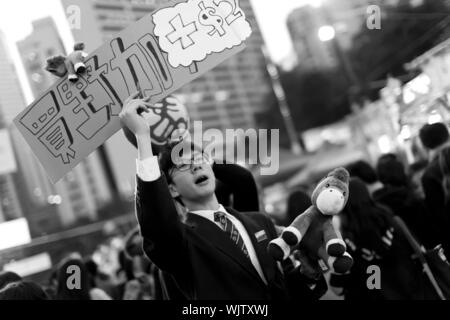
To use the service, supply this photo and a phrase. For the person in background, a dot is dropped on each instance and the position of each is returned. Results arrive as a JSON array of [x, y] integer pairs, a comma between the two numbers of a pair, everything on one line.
[[100, 279], [82, 287], [397, 194], [436, 139], [373, 239], [298, 201], [23, 290], [364, 171], [7, 277]]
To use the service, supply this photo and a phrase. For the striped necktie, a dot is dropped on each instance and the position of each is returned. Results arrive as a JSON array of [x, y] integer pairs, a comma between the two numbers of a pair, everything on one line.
[[229, 228]]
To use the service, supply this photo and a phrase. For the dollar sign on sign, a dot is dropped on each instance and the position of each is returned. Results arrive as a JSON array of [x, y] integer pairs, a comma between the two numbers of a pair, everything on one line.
[[207, 17]]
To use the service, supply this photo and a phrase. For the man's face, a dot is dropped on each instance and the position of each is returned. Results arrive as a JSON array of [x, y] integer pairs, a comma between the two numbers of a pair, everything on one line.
[[195, 179]]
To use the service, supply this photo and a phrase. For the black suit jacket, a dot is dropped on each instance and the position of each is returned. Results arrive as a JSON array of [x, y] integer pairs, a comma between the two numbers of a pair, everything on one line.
[[201, 258]]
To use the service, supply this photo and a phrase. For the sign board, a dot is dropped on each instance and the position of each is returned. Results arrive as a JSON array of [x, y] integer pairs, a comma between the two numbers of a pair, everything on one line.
[[159, 53], [14, 233], [7, 160], [30, 265]]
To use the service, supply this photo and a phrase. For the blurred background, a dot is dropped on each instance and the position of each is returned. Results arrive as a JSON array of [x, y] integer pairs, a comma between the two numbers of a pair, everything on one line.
[[338, 90]]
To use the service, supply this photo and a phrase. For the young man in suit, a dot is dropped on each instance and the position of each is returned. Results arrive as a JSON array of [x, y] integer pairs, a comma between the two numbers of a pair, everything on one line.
[[217, 253]]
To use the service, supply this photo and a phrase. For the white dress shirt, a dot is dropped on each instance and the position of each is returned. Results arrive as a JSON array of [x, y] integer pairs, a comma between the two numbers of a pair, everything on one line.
[[148, 170]]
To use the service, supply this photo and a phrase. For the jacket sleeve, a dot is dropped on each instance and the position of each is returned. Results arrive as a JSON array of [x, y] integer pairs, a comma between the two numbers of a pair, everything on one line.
[[161, 228], [240, 182]]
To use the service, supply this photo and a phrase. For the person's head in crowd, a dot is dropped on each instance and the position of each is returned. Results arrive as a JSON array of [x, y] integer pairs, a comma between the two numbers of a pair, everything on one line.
[[434, 137], [125, 271], [364, 171], [7, 277], [391, 171], [297, 203], [363, 220], [133, 244], [189, 174], [73, 280], [22, 290], [136, 261], [92, 269]]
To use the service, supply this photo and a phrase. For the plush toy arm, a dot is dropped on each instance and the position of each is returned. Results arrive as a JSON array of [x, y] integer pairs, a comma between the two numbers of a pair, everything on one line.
[[295, 232], [280, 248], [72, 75], [335, 245]]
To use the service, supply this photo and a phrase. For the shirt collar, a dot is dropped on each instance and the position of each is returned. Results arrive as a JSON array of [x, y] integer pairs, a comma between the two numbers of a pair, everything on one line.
[[209, 214]]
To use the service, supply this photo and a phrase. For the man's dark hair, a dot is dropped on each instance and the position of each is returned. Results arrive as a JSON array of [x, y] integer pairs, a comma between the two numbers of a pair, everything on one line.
[[391, 172], [6, 277], [433, 135], [23, 290]]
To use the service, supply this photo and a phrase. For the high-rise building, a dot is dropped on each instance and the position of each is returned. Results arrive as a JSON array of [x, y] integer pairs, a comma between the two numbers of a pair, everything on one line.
[[345, 16], [303, 24], [10, 207], [84, 190], [228, 96]]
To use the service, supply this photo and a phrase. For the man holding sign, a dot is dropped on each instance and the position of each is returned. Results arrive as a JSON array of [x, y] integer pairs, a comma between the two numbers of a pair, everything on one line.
[[217, 253]]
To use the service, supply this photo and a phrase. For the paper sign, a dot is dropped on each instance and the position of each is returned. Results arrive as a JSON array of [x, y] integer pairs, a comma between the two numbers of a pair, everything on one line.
[[30, 265], [14, 233], [70, 120]]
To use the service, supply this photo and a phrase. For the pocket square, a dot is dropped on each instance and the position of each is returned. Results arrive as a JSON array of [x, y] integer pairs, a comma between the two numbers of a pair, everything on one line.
[[261, 235]]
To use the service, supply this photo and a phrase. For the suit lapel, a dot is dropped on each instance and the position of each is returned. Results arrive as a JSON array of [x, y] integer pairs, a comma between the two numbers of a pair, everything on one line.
[[260, 247], [214, 236]]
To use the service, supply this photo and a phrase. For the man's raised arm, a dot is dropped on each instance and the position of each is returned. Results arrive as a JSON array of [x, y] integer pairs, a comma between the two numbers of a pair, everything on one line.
[[156, 212]]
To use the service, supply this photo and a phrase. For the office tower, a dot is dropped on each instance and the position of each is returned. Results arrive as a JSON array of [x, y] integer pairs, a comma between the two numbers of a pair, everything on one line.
[[347, 17], [10, 207], [303, 25]]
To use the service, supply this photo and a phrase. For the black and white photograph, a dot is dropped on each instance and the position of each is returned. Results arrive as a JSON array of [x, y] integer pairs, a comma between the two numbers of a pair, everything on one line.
[[225, 156]]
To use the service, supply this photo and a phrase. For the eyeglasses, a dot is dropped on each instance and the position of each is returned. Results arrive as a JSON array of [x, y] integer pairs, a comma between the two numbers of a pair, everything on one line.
[[183, 165]]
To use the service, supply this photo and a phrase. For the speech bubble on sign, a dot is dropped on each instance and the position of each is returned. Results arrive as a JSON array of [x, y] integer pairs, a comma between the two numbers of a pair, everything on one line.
[[190, 31]]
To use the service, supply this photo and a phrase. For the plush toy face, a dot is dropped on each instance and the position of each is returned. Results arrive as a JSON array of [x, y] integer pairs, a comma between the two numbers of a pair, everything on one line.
[[331, 194]]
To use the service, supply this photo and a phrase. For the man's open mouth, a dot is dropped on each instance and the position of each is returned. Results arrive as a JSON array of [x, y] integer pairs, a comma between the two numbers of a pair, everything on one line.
[[201, 179]]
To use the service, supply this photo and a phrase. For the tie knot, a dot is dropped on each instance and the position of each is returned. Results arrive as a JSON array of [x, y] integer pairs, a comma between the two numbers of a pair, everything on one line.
[[218, 216]]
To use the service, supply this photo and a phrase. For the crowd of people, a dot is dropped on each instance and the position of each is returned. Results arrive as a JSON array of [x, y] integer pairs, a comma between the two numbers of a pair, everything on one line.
[[201, 233]]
